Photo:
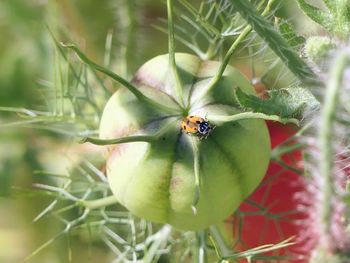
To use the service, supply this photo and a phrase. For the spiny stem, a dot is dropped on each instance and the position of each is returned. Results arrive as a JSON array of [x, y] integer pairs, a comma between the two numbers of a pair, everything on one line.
[[171, 42], [328, 115], [138, 94], [98, 203], [196, 166], [251, 115]]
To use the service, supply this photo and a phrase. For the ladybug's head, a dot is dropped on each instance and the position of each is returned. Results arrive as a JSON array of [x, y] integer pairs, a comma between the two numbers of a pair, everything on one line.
[[204, 128]]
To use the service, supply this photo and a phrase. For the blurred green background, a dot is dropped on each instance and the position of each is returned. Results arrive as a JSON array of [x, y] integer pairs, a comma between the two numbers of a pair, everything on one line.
[[27, 63], [26, 66]]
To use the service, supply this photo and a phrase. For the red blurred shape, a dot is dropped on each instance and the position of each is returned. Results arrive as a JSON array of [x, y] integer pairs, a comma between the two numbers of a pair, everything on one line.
[[270, 215]]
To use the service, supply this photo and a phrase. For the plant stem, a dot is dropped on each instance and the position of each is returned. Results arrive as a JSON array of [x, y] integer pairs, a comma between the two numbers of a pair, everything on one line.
[[227, 57], [233, 48], [251, 115], [202, 247], [171, 42], [328, 115], [222, 248], [98, 203]]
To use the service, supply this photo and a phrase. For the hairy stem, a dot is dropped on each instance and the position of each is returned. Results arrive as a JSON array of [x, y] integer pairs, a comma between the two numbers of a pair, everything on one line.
[[328, 115]]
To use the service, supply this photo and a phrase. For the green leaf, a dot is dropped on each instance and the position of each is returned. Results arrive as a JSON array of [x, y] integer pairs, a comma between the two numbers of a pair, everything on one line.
[[286, 103], [319, 16], [336, 20], [287, 31], [276, 42]]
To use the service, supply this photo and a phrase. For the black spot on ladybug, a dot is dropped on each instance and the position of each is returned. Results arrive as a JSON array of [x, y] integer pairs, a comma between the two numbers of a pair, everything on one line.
[[195, 129], [184, 127], [191, 117], [198, 122], [188, 122]]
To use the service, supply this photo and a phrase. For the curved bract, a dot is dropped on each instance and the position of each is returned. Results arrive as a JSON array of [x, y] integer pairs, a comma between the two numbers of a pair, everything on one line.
[[155, 178]]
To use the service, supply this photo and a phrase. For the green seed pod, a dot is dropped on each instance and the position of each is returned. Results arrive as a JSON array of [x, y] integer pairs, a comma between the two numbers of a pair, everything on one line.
[[153, 173]]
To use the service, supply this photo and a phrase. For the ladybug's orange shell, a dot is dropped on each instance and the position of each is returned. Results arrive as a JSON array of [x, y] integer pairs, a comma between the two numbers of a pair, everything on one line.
[[190, 124]]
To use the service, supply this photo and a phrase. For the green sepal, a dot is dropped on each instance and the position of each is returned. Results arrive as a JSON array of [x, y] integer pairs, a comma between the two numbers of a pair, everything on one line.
[[286, 103]]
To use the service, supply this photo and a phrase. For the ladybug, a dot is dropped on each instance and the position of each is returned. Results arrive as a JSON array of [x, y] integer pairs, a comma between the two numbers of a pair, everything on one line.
[[197, 126]]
